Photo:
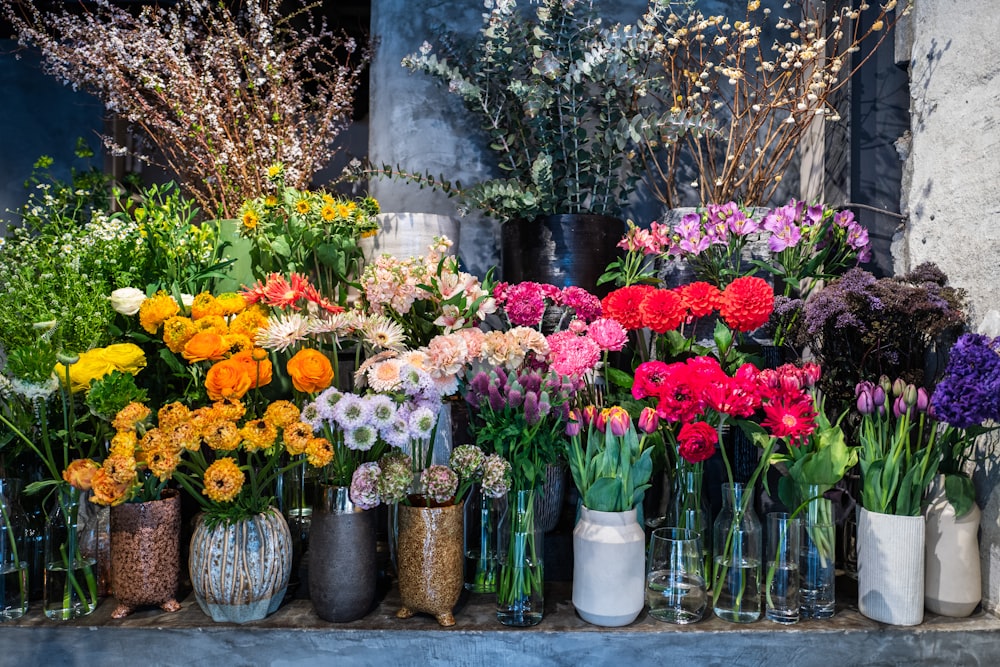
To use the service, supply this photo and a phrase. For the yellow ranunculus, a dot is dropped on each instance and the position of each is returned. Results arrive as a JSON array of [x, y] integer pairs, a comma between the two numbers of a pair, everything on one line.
[[97, 363]]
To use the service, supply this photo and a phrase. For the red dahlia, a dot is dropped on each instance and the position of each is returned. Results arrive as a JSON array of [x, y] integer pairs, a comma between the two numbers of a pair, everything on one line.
[[624, 305], [746, 303], [662, 310], [700, 298]]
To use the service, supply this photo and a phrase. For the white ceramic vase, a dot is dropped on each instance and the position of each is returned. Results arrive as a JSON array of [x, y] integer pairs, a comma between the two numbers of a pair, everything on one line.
[[891, 567], [953, 583], [608, 567]]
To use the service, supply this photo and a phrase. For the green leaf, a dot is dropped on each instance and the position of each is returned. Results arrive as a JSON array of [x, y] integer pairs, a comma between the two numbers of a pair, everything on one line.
[[961, 493], [619, 378]]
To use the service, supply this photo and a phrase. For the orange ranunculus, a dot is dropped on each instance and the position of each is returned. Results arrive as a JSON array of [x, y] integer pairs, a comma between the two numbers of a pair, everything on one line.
[[205, 345], [310, 370], [259, 370], [227, 379], [80, 473]]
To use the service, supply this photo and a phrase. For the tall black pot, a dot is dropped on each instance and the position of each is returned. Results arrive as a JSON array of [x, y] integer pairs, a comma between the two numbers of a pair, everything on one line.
[[342, 567], [562, 250]]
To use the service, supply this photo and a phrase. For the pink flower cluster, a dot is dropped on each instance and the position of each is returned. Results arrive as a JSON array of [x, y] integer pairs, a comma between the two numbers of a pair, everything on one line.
[[657, 240], [577, 351], [526, 303]]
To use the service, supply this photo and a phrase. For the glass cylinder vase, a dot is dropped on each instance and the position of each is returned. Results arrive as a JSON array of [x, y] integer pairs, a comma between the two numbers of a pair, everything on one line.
[[737, 548], [689, 509], [70, 571], [817, 560], [520, 598], [13, 551], [480, 545], [781, 564]]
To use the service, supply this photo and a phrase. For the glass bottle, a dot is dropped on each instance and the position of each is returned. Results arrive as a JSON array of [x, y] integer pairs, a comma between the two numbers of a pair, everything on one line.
[[689, 509], [13, 551], [737, 548], [480, 542]]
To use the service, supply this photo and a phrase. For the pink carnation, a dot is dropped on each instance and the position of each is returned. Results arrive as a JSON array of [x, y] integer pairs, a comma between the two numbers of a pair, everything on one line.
[[586, 305], [573, 355], [524, 304], [609, 334]]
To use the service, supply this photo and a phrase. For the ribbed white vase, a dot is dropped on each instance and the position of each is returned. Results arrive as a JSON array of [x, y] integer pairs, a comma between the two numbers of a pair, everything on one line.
[[891, 567]]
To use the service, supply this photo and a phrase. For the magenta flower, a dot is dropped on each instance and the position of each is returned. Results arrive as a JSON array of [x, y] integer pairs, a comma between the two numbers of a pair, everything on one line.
[[649, 421]]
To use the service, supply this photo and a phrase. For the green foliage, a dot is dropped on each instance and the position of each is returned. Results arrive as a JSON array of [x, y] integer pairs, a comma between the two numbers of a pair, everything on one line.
[[564, 102], [107, 395], [611, 472]]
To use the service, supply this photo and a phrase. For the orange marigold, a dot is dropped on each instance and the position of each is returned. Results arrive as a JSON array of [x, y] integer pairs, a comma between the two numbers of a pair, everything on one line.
[[297, 437], [230, 408], [746, 303], [223, 480], [249, 321], [163, 463], [185, 435], [129, 417], [282, 413], [231, 303], [155, 310], [177, 331], [205, 346], [216, 323], [662, 310], [319, 452], [120, 468], [205, 305], [258, 434], [223, 436], [123, 442], [238, 343]]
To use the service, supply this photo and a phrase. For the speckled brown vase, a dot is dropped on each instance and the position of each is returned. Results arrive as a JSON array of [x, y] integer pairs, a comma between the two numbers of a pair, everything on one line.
[[145, 553], [430, 561]]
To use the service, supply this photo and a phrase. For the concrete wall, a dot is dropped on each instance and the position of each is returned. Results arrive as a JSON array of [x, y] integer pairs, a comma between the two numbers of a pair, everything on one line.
[[951, 189]]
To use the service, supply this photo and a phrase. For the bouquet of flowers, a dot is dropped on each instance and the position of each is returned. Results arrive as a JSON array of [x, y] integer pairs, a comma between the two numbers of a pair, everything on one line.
[[307, 232], [425, 295], [545, 307]]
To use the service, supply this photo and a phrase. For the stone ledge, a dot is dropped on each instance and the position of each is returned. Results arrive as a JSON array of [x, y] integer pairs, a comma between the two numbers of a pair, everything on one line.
[[294, 635]]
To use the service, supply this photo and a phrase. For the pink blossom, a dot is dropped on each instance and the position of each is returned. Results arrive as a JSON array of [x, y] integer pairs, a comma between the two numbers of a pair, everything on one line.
[[586, 305], [574, 355], [609, 334]]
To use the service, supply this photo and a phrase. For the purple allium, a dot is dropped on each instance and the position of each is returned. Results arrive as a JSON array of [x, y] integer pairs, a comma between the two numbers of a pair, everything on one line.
[[439, 483], [364, 486]]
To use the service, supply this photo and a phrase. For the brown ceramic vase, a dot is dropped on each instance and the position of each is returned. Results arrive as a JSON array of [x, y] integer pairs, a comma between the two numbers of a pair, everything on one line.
[[145, 553], [430, 561]]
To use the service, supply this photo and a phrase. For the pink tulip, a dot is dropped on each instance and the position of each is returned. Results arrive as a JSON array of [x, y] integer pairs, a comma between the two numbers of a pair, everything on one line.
[[619, 420], [649, 421]]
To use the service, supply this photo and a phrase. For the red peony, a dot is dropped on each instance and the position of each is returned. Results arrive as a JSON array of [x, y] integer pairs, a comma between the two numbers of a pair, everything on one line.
[[663, 310], [624, 303], [696, 442], [746, 303], [700, 298]]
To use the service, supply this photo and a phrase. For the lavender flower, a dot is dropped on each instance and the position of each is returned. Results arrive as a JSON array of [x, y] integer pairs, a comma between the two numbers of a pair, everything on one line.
[[364, 486], [439, 483]]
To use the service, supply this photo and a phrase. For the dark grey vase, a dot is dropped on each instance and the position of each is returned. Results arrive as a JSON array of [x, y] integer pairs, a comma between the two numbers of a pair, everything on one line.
[[342, 568]]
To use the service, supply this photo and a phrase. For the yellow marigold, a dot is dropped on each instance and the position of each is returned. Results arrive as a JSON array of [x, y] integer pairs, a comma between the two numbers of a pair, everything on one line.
[[106, 490], [223, 436], [328, 212], [205, 346], [258, 434], [129, 417], [297, 437], [231, 303], [172, 414], [204, 305], [231, 409], [223, 480], [185, 436], [319, 452], [153, 439], [282, 413], [177, 331], [249, 322], [80, 473], [216, 323], [123, 443], [120, 468], [155, 310], [163, 463]]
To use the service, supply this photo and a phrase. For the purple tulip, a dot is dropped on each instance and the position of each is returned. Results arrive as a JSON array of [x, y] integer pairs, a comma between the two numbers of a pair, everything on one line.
[[619, 420], [649, 421], [879, 396], [923, 400], [573, 424], [866, 405], [899, 407]]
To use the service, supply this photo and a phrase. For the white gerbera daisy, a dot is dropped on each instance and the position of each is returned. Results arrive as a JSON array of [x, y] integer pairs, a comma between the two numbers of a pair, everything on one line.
[[282, 332]]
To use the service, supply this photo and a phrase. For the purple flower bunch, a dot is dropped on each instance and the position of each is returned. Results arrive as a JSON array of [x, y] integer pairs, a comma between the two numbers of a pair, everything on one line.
[[969, 393], [898, 396], [529, 394]]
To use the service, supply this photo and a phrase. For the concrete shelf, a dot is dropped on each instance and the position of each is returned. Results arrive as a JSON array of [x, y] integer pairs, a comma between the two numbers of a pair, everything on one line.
[[294, 635]]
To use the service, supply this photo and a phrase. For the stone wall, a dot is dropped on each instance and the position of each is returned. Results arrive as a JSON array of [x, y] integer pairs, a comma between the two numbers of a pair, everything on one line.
[[951, 189]]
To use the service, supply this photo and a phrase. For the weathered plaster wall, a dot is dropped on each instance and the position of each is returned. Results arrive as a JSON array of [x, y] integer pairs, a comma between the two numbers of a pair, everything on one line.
[[951, 190]]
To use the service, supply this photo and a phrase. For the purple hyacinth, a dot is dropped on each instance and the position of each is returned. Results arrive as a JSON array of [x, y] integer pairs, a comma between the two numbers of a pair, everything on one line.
[[969, 393]]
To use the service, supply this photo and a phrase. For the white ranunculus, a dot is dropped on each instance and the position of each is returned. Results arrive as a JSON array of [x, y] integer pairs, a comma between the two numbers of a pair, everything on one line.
[[127, 300]]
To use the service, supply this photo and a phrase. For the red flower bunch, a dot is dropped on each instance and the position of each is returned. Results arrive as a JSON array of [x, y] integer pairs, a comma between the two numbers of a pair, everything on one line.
[[661, 310], [293, 292], [697, 393], [746, 303]]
